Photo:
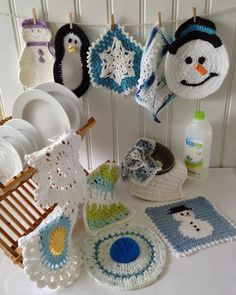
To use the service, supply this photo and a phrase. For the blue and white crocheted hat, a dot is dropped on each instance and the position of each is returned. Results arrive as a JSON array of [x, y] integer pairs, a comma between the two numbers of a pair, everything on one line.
[[197, 61], [114, 61], [125, 258]]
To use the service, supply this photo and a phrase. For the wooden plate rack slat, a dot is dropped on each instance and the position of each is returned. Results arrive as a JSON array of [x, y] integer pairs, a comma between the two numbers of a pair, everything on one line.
[[19, 213]]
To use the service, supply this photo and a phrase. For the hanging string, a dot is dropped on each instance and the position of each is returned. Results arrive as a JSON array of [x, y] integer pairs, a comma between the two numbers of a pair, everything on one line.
[[173, 21]]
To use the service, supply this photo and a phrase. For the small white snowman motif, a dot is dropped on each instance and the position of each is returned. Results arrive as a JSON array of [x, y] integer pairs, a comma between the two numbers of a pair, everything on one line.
[[190, 226], [37, 59]]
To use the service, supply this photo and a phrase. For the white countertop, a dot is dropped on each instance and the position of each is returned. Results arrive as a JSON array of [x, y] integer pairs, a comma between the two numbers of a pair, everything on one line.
[[208, 272]]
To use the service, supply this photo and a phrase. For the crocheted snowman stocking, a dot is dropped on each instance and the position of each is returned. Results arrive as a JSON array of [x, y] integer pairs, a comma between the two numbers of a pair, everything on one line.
[[152, 91], [50, 257], [114, 61], [197, 61], [70, 68], [37, 59], [59, 175], [102, 207]]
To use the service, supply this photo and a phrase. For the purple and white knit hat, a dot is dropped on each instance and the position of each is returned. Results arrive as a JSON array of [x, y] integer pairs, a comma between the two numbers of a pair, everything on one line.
[[28, 23]]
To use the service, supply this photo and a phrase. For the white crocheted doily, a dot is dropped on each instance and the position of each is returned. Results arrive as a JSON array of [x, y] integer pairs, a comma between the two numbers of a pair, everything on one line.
[[59, 175], [164, 187], [138, 260], [50, 257]]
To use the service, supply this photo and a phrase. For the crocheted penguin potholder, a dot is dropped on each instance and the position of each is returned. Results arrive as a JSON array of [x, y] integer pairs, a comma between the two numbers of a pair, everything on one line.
[[197, 62], [70, 68], [152, 90], [59, 175], [125, 258], [103, 208], [50, 257], [37, 59], [114, 61]]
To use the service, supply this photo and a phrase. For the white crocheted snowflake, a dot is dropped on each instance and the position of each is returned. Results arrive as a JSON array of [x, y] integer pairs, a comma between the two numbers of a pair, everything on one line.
[[117, 62], [59, 175]]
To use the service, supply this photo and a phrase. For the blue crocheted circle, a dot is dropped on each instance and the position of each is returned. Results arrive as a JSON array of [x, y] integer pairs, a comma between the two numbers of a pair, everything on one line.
[[124, 250]]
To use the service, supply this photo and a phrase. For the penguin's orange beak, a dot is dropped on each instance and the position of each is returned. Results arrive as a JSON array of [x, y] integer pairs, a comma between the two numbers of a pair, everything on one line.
[[200, 69], [72, 48]]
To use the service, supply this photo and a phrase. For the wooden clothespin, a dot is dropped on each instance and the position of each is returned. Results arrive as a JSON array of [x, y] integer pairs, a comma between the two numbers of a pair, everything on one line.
[[194, 14], [70, 21], [34, 16], [112, 22], [159, 23]]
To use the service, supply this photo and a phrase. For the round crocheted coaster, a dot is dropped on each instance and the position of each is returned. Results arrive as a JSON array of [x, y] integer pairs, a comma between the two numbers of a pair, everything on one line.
[[125, 258]]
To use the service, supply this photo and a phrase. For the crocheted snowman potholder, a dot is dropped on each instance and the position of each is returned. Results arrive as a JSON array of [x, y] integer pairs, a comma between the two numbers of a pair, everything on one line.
[[152, 90], [114, 61], [50, 257], [125, 258], [197, 61], [37, 59], [103, 208], [59, 175]]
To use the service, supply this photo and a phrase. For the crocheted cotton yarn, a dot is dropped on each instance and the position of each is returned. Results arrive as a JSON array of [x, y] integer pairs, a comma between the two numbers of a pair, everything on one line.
[[191, 225], [164, 187], [152, 91], [70, 68], [37, 59], [125, 258], [103, 208], [138, 165], [114, 61], [59, 175], [50, 257], [197, 62]]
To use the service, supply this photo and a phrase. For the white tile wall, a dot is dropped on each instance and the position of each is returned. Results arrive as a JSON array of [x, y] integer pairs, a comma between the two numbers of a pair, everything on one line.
[[119, 119]]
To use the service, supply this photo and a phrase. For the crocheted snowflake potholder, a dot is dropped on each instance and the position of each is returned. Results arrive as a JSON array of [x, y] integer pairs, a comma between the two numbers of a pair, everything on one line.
[[103, 208], [197, 61], [138, 165], [114, 61], [70, 68], [50, 256], [191, 225], [59, 175], [125, 258], [152, 90], [37, 59]]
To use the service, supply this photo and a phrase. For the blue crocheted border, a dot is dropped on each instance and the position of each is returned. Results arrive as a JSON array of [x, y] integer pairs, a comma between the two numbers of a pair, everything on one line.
[[96, 62]]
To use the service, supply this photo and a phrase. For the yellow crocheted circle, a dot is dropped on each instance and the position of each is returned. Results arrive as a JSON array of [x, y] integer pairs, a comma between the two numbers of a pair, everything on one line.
[[57, 240]]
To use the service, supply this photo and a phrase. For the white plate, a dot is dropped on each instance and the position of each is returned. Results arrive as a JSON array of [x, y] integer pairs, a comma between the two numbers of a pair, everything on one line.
[[29, 131], [10, 161], [18, 140], [44, 112], [68, 100]]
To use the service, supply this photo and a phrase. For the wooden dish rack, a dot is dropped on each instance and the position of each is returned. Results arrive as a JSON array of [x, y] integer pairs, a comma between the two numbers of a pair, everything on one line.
[[19, 213]]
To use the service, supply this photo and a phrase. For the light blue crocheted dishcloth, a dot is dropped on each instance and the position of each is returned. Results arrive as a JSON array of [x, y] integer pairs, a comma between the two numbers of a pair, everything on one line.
[[152, 90], [190, 225], [114, 61]]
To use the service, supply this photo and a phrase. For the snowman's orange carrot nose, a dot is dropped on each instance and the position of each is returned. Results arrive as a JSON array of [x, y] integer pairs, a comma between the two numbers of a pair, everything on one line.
[[200, 69]]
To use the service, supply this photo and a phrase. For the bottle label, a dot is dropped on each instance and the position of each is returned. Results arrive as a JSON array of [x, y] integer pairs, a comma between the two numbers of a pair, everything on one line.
[[193, 152]]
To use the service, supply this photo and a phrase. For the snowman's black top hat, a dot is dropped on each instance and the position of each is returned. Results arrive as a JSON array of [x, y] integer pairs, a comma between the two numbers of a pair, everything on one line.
[[203, 29], [178, 209]]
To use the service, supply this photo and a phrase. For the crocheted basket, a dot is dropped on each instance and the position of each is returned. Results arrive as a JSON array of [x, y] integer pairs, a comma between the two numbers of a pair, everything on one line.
[[164, 187]]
